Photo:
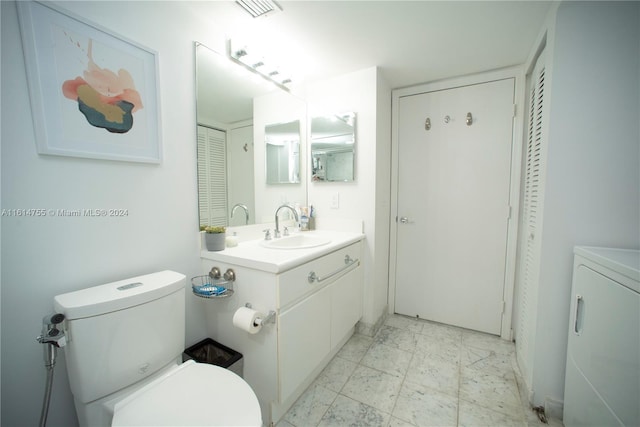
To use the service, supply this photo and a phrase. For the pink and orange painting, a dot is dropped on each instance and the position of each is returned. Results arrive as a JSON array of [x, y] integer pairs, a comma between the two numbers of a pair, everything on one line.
[[107, 99], [94, 94]]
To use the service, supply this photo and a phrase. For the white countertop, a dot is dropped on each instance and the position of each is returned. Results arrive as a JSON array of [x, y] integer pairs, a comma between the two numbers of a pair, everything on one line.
[[252, 254]]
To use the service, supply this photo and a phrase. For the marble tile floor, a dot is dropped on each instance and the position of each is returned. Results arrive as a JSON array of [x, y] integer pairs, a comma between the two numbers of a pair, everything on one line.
[[417, 373]]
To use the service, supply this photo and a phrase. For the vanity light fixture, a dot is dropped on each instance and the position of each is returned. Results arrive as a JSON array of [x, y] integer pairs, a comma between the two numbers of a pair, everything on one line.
[[258, 65], [259, 7]]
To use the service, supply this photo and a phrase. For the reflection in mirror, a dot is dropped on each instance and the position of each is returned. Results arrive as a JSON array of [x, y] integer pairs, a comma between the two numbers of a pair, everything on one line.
[[238, 105], [224, 107], [283, 153], [333, 147]]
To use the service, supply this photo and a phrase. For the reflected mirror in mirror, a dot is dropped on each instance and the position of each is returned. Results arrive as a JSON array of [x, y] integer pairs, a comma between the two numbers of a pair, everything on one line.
[[333, 141], [283, 153]]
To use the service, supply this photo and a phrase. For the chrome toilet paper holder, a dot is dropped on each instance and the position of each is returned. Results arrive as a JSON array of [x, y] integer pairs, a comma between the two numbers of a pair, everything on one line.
[[269, 318]]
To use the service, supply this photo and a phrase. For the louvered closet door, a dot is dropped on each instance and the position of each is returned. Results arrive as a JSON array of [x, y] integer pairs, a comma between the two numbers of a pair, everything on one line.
[[212, 176], [532, 220], [453, 203]]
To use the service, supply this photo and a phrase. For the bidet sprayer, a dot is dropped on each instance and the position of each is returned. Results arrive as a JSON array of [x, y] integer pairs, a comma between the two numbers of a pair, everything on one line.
[[50, 332], [53, 319]]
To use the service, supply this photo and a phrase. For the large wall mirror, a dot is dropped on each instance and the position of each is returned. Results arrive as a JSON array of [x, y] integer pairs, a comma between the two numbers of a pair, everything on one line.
[[333, 140], [229, 163]]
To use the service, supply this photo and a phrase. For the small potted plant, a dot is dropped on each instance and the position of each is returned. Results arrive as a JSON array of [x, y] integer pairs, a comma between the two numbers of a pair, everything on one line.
[[214, 237]]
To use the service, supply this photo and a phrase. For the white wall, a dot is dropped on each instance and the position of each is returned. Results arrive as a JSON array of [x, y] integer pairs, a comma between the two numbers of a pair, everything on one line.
[[43, 257], [366, 93], [382, 205], [592, 194]]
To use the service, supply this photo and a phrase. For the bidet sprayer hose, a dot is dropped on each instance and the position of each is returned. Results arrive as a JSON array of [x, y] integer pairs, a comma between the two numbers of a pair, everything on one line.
[[52, 338], [50, 354], [50, 351]]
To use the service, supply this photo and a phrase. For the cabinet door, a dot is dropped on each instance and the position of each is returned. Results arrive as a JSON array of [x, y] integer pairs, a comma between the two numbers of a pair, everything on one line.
[[303, 340], [346, 304]]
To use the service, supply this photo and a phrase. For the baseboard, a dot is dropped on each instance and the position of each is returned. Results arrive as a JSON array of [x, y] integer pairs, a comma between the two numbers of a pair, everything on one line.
[[553, 408], [371, 329]]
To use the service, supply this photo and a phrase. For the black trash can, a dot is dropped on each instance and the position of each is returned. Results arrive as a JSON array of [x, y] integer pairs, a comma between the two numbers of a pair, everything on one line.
[[214, 353]]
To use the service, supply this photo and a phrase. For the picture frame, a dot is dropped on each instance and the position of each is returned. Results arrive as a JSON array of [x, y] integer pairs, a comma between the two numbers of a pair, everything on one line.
[[94, 94]]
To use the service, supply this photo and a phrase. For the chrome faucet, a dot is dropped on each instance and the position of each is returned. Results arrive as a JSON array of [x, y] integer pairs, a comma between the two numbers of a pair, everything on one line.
[[246, 211], [276, 233]]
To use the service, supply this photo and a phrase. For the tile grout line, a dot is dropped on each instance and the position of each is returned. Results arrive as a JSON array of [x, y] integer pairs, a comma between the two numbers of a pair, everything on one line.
[[404, 378], [373, 342], [339, 393]]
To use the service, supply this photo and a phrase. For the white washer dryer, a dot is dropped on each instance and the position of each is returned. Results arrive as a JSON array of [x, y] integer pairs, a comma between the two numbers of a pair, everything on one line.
[[602, 382]]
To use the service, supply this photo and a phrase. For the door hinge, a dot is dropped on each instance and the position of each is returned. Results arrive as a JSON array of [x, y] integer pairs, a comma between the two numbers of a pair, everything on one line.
[[515, 109], [509, 212], [504, 306]]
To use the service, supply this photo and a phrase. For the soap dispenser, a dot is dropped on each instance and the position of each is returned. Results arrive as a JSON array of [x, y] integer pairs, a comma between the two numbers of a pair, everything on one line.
[[304, 219]]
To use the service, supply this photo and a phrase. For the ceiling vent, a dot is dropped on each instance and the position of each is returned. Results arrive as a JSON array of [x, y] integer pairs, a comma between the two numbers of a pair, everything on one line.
[[259, 7]]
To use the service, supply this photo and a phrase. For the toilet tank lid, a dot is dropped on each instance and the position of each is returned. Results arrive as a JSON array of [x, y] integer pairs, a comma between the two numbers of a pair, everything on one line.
[[118, 295]]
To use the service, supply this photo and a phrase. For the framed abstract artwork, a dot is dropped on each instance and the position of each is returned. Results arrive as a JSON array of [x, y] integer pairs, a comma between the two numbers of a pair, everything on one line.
[[93, 94]]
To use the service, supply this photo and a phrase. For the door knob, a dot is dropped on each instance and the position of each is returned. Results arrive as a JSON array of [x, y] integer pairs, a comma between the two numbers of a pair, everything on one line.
[[404, 220]]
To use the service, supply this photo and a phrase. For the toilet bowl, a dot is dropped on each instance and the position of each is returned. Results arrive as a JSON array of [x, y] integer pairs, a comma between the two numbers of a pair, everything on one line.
[[124, 342], [193, 394]]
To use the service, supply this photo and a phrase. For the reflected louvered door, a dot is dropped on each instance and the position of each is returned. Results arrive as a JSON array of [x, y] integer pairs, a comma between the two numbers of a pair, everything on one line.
[[532, 220], [212, 176]]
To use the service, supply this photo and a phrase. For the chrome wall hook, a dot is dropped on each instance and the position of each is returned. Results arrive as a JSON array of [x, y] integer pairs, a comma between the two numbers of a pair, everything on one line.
[[427, 124], [214, 273], [230, 275], [469, 119]]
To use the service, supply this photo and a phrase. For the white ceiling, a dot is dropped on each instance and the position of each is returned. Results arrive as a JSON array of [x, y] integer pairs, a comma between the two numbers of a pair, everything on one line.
[[411, 42]]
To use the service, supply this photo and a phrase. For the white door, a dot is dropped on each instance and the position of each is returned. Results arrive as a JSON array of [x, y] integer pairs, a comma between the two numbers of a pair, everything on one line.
[[453, 204]]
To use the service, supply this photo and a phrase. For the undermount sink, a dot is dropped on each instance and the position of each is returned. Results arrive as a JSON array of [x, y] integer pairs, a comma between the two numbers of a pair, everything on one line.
[[298, 241]]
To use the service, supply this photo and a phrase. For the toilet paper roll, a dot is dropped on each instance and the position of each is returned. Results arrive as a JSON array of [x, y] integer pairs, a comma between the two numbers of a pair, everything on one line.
[[248, 320]]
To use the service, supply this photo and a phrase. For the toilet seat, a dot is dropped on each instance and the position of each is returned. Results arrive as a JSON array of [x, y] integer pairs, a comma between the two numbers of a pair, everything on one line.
[[194, 394]]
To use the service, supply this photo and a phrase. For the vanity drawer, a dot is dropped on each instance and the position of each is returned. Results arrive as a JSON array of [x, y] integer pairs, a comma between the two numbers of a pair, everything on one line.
[[294, 284]]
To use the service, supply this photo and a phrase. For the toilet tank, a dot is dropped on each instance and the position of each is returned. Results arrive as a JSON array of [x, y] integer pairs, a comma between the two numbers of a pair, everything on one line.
[[122, 332]]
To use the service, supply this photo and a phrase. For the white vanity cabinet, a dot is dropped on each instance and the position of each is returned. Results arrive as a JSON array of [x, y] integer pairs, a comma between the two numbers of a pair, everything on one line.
[[319, 304], [317, 295]]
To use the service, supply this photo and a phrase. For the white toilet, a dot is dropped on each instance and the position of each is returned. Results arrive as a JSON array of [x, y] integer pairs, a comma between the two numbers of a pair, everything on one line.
[[125, 341]]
